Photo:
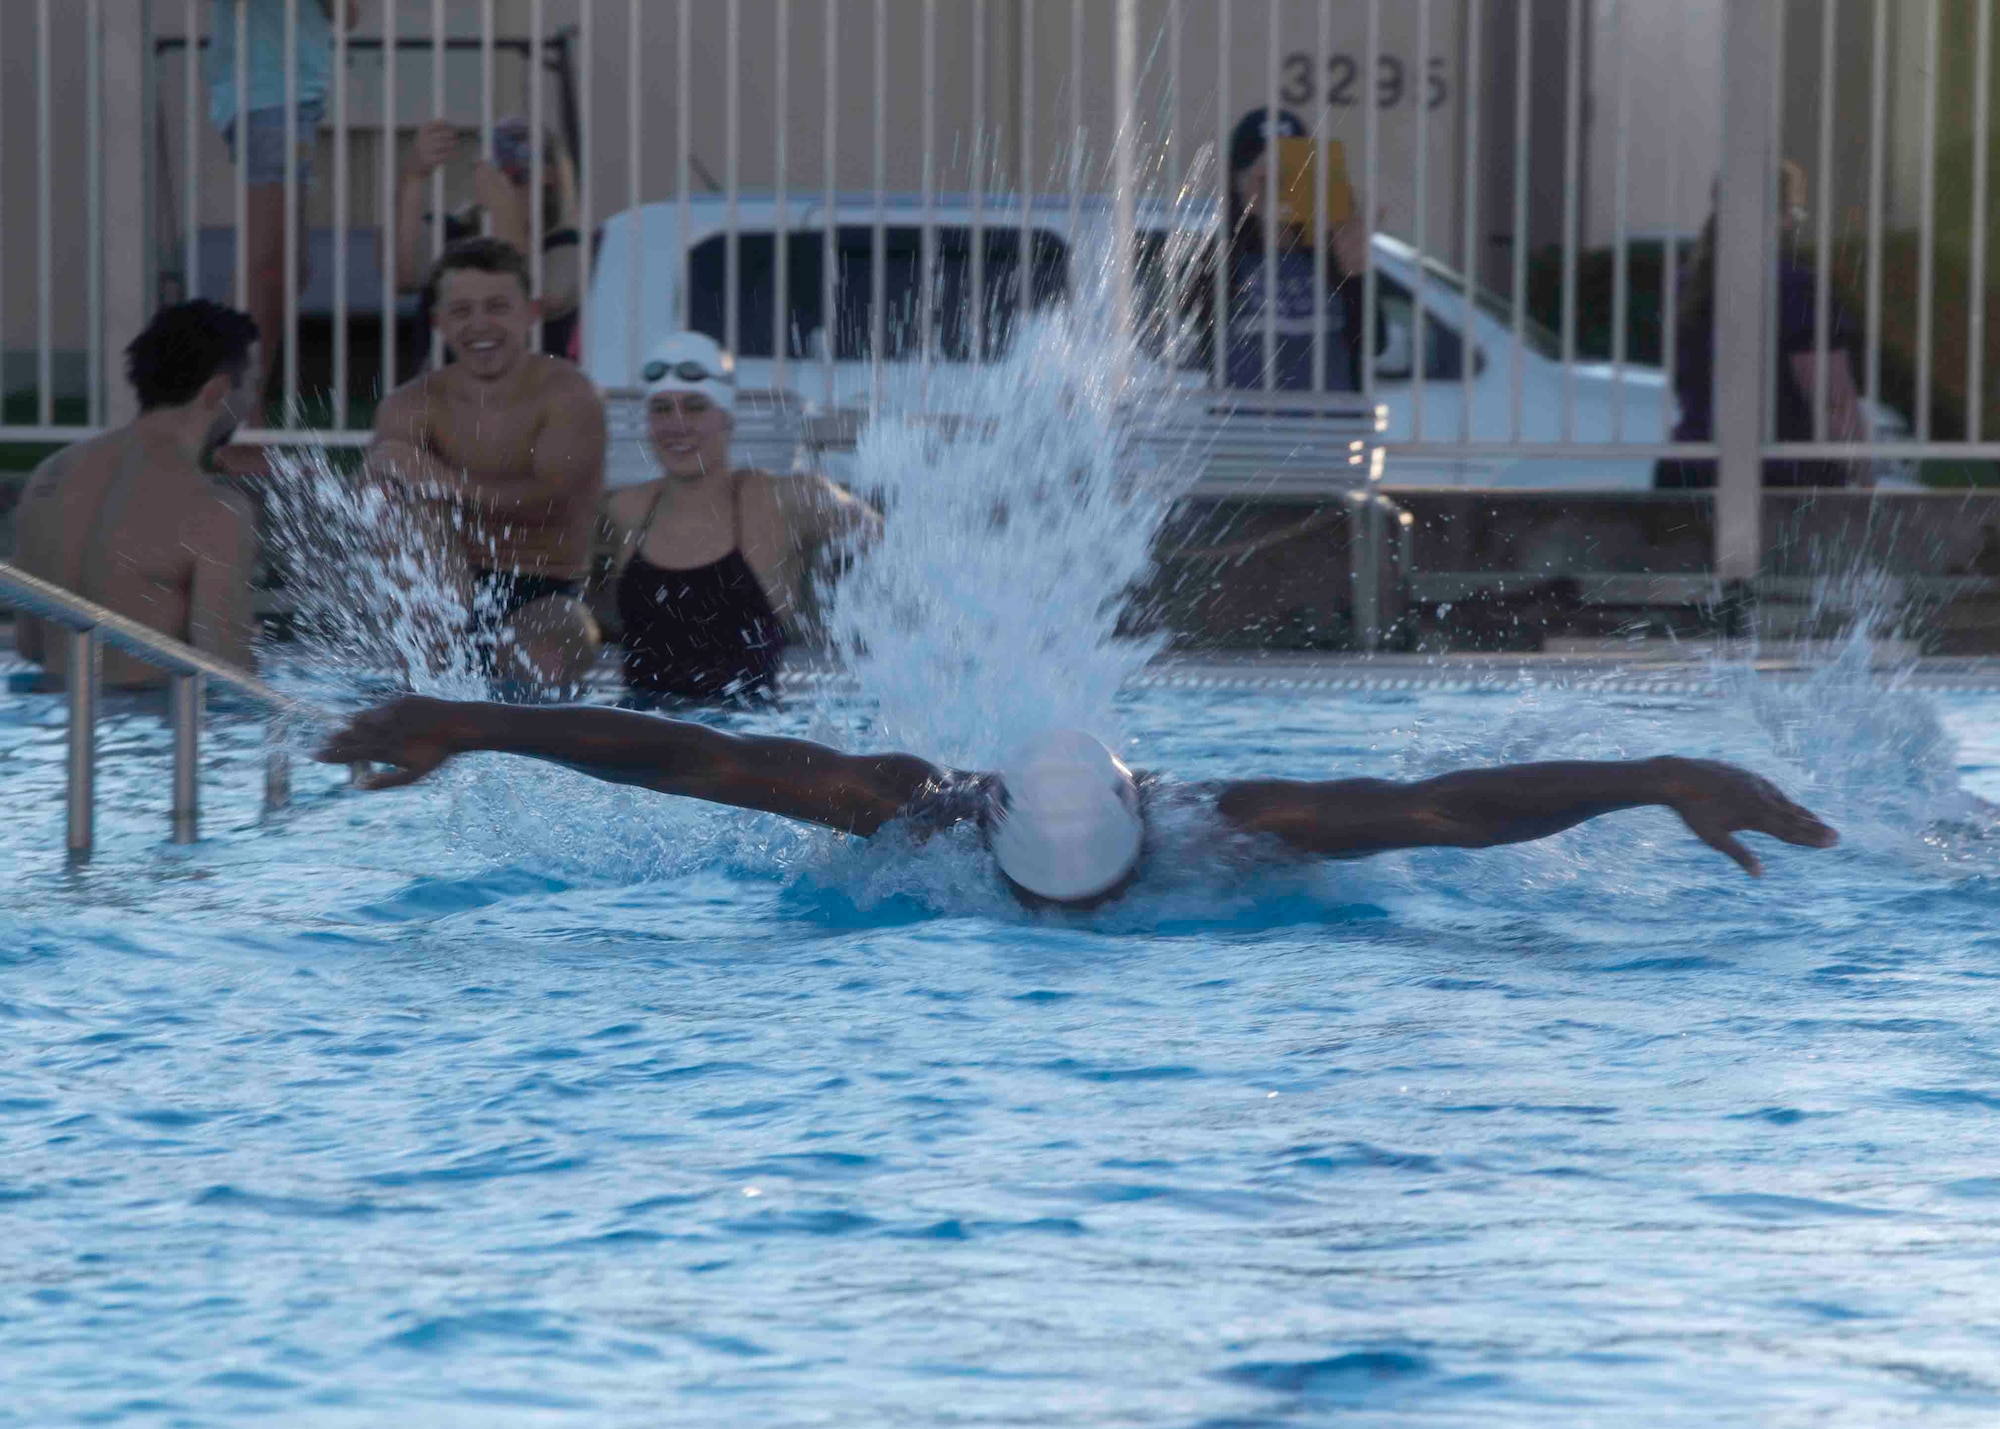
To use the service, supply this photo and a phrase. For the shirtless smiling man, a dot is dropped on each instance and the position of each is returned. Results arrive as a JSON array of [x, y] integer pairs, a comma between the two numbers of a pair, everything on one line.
[[514, 441]]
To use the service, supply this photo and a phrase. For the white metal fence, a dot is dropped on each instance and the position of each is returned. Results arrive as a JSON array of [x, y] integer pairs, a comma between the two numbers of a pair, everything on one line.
[[810, 136]]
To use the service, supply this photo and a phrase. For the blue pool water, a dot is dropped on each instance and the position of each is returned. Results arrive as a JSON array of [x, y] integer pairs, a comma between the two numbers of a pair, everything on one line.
[[513, 1100]]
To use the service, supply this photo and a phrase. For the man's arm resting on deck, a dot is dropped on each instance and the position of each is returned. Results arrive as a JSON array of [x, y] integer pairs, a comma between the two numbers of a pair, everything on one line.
[[1477, 808], [853, 793]]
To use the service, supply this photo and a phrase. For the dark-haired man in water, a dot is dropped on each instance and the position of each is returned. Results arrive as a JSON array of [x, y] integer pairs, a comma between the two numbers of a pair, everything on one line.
[[514, 441], [1066, 819], [135, 521]]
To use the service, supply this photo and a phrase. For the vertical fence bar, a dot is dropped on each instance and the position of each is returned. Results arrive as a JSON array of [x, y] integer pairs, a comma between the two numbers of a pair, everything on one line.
[[1621, 258], [878, 256], [781, 228], [486, 100], [1670, 262], [1124, 167], [927, 185], [389, 186], [190, 155], [1518, 250], [1269, 227], [1075, 127], [342, 204], [93, 124], [586, 197], [1878, 88], [84, 663], [1225, 238], [3, 250], [437, 177], [290, 416], [1024, 262], [1371, 58], [683, 162], [1469, 235], [239, 78], [1775, 232], [44, 226], [1572, 148], [635, 223], [1829, 18], [977, 331], [829, 252], [185, 698], [537, 162], [1927, 222], [1743, 280], [1420, 223], [1975, 358], [1174, 246], [1323, 198], [732, 143]]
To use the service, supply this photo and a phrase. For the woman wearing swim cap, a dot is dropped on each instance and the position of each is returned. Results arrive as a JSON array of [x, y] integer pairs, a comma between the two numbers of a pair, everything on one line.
[[712, 555], [1065, 819]]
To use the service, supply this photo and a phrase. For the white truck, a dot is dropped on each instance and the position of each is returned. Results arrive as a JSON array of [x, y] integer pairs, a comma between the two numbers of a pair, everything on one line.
[[1327, 442]]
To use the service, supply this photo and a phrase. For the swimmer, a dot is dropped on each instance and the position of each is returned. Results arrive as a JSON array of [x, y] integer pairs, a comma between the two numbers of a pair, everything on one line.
[[713, 554], [1064, 818], [509, 444]]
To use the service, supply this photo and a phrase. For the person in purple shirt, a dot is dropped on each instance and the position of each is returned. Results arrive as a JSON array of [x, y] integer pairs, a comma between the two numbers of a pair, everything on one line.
[[1796, 356]]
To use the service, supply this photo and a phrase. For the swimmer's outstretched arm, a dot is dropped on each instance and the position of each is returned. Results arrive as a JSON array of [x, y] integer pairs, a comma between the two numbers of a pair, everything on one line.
[[1477, 808], [854, 793]]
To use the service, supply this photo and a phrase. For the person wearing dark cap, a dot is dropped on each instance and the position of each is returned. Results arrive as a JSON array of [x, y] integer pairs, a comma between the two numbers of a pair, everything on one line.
[[1288, 293]]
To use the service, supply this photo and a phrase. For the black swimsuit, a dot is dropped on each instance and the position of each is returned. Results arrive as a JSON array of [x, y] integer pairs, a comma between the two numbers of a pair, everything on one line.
[[705, 633]]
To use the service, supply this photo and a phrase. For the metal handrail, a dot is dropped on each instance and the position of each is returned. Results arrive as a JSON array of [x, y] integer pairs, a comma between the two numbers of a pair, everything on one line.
[[91, 627]]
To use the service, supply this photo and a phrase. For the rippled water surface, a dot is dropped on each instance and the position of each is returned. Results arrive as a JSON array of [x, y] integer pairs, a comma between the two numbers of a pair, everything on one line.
[[511, 1100]]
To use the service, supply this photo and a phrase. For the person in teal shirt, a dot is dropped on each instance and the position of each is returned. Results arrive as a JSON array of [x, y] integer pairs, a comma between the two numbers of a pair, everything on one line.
[[266, 133]]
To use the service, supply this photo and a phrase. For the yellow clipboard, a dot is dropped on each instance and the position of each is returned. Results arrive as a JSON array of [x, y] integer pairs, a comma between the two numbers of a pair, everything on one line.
[[1299, 183]]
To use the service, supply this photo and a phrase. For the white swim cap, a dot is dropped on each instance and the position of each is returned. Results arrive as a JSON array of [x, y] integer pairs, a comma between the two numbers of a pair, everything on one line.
[[1068, 828], [691, 362]]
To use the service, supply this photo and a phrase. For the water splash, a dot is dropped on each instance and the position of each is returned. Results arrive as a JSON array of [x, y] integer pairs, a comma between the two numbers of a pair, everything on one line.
[[1020, 510], [378, 580]]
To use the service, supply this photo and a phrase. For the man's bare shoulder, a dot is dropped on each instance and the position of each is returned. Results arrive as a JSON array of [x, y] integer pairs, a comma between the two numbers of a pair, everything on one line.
[[63, 468], [409, 400], [558, 384], [221, 521]]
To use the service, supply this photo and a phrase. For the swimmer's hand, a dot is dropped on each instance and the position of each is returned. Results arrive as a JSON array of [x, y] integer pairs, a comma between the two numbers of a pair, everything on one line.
[[1717, 801], [411, 736]]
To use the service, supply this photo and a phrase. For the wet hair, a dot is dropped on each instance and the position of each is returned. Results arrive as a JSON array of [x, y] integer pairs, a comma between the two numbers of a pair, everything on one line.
[[478, 255], [183, 347]]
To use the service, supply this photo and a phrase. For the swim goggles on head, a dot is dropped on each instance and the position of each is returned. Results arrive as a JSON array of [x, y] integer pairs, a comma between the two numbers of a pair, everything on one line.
[[686, 370]]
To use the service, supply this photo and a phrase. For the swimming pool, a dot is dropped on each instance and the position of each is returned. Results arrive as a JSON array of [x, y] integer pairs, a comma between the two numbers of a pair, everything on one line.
[[516, 1100]]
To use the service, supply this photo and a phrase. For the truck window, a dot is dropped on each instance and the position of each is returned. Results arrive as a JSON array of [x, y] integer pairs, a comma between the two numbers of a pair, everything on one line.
[[1047, 274]]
